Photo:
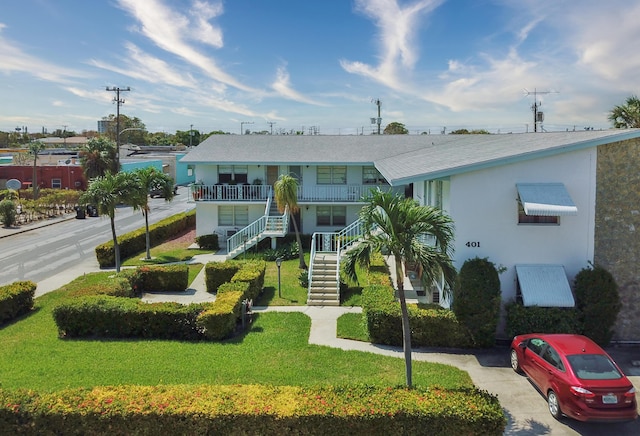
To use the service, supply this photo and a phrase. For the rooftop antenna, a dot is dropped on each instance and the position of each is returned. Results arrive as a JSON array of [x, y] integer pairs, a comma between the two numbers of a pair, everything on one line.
[[538, 116], [378, 120]]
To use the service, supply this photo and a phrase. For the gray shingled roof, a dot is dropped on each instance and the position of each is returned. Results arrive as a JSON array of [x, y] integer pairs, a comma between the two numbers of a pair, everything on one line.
[[400, 158]]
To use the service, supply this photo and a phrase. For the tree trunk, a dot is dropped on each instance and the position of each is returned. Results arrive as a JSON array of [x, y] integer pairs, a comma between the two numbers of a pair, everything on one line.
[[116, 247], [146, 225], [406, 328], [303, 264]]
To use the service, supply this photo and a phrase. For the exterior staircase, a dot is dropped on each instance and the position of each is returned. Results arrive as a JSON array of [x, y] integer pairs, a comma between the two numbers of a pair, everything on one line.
[[324, 286], [271, 224], [327, 248]]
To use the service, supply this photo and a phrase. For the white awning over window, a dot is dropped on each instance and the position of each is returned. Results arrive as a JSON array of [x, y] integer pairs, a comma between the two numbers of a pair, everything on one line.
[[544, 286], [546, 199]]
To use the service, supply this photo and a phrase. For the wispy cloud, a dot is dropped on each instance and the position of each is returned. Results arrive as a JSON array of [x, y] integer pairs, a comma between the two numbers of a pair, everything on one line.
[[397, 26], [15, 59], [282, 85], [142, 66], [172, 31]]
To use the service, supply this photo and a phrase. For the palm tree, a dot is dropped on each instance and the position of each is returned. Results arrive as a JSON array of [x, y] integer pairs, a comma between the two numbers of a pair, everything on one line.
[[98, 157], [34, 148], [626, 116], [398, 225], [148, 179], [107, 192], [286, 191]]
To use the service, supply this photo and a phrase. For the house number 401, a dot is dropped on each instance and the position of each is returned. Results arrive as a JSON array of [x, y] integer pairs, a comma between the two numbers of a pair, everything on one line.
[[473, 244]]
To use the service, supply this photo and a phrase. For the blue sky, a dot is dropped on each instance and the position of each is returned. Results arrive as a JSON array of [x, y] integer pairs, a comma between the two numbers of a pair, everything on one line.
[[434, 64]]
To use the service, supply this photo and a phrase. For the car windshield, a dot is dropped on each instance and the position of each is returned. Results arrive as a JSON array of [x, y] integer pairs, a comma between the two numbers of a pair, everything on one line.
[[593, 367]]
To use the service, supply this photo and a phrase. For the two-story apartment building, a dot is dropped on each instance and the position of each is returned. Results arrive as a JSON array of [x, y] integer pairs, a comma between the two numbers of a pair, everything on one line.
[[542, 206]]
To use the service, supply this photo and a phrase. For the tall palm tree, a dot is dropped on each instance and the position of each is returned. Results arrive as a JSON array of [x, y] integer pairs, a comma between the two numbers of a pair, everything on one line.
[[398, 226], [107, 192], [35, 147], [286, 192], [148, 179], [98, 157], [627, 115]]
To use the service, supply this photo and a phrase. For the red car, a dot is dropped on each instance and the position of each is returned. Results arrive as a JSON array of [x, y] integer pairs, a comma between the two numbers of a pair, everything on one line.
[[578, 378]]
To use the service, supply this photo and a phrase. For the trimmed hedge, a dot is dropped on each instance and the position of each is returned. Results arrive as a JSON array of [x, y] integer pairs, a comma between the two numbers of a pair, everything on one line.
[[208, 242], [521, 320], [117, 317], [135, 241], [219, 320], [431, 325], [252, 410], [217, 273], [161, 278], [16, 299], [252, 273]]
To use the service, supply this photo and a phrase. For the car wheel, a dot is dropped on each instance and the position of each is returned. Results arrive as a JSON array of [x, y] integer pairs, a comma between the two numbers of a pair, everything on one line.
[[515, 363], [554, 405]]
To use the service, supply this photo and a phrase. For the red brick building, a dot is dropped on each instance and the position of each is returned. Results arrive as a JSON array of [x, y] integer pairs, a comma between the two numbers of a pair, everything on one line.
[[47, 176]]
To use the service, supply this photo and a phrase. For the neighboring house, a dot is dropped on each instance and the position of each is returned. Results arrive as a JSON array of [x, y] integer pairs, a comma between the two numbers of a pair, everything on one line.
[[541, 205]]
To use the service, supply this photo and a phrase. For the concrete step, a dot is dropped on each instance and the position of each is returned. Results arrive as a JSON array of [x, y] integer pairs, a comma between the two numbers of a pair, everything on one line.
[[323, 303]]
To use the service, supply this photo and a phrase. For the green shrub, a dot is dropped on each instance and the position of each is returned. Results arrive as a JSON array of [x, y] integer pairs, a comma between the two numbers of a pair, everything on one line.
[[16, 299], [219, 321], [208, 242], [134, 242], [534, 319], [163, 278], [598, 303], [252, 273], [431, 325], [476, 300], [234, 287], [217, 273], [8, 212], [117, 317], [252, 410]]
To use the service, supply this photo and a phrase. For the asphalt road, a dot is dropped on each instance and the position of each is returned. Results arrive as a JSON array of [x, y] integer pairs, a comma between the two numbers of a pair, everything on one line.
[[37, 253]]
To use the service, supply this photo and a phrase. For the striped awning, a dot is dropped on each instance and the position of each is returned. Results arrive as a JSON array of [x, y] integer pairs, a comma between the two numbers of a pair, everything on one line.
[[546, 199], [544, 286]]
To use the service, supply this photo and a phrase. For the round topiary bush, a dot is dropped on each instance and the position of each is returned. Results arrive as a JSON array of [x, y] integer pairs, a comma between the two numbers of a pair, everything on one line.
[[598, 303], [476, 300]]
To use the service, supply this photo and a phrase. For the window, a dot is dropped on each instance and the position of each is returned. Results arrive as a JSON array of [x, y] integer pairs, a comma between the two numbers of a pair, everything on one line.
[[327, 175], [433, 193], [536, 345], [233, 215], [331, 215], [56, 183], [552, 356], [523, 218], [371, 176], [227, 173]]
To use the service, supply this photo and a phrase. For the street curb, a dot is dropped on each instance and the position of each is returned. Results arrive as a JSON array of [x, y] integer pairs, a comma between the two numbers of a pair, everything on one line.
[[35, 226]]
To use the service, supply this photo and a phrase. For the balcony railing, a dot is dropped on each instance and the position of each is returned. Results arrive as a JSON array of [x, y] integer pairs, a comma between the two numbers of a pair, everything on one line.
[[328, 193]]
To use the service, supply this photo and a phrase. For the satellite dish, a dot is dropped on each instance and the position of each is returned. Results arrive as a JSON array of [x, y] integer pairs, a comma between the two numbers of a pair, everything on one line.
[[14, 184]]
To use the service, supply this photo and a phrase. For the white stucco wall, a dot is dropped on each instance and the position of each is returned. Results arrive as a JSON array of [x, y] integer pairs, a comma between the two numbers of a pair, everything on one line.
[[484, 208]]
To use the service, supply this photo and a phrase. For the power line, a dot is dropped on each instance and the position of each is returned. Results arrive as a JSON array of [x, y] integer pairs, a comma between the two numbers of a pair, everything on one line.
[[118, 101]]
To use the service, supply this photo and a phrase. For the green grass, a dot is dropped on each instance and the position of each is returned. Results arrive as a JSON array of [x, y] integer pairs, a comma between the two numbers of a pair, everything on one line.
[[292, 294], [274, 351], [351, 326], [160, 255]]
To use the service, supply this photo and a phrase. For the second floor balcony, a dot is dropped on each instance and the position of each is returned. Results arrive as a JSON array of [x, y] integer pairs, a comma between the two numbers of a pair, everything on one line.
[[260, 193]]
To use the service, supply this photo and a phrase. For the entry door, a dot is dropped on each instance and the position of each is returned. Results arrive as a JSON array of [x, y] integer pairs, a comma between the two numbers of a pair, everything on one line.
[[272, 174]]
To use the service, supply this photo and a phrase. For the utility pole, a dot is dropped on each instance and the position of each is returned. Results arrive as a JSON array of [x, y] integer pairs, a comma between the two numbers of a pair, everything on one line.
[[191, 136], [377, 120], [271, 123], [242, 123], [538, 116], [118, 102]]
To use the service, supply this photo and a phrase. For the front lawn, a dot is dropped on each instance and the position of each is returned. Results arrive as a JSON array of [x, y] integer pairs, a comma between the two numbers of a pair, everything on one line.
[[275, 351]]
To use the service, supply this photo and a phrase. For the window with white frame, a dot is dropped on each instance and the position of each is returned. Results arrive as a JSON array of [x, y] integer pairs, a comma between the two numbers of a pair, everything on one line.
[[332, 175], [56, 183], [237, 173], [371, 176], [233, 215], [433, 193], [331, 215], [523, 218]]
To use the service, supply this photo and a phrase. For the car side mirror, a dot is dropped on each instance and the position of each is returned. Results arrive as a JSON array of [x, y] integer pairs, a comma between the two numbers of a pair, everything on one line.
[[522, 345]]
